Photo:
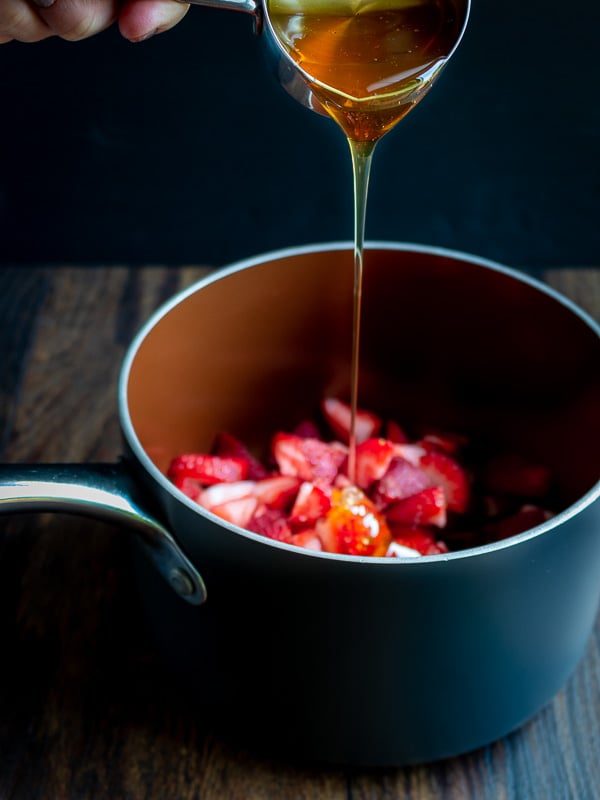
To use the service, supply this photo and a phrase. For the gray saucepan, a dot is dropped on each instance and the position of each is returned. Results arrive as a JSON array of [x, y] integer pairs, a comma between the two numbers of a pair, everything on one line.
[[333, 658]]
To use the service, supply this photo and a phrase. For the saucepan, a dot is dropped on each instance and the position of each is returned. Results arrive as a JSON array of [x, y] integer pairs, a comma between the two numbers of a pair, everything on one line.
[[338, 658]]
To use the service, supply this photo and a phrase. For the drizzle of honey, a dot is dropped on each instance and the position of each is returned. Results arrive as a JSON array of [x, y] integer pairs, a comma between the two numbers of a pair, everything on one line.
[[368, 62]]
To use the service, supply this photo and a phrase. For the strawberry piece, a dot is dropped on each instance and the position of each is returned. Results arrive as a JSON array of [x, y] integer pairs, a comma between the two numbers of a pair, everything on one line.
[[308, 540], [373, 458], [397, 550], [442, 470], [239, 511], [527, 517], [419, 539], [208, 469], [338, 416], [308, 459], [189, 487], [226, 444], [395, 433], [512, 474], [312, 503], [278, 491], [427, 507], [307, 429], [444, 441], [220, 493], [402, 479], [272, 523]]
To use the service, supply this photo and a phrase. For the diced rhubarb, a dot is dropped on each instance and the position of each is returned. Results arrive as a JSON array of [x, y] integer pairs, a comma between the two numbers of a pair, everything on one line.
[[373, 457], [208, 469], [427, 507], [308, 459], [444, 471], [338, 416]]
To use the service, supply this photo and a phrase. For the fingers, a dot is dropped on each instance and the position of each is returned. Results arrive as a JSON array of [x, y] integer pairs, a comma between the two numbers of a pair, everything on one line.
[[141, 19], [77, 19], [20, 21], [33, 20]]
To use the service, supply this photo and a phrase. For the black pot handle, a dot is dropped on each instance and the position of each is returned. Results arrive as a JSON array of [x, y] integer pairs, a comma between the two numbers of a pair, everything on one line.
[[103, 491]]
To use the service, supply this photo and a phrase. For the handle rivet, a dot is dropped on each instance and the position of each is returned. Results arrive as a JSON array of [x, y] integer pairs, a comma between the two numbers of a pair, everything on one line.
[[181, 582]]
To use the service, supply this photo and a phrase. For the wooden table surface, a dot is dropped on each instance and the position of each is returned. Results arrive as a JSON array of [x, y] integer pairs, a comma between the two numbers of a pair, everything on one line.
[[86, 710]]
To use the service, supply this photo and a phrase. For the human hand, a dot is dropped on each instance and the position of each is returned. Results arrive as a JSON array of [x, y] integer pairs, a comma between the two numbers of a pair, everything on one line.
[[33, 20]]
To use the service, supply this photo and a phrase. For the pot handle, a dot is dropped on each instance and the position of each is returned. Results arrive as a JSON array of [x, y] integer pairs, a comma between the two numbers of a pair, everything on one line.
[[103, 491]]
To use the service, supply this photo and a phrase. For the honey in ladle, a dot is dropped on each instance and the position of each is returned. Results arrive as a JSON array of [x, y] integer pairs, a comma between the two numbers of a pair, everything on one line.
[[368, 62]]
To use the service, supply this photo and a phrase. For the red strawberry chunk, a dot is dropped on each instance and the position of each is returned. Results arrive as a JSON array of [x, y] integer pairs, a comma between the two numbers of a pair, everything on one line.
[[308, 459], [395, 433], [189, 487], [272, 523], [444, 471], [444, 441], [418, 539], [225, 492], [208, 469], [427, 507], [401, 480], [513, 474], [307, 429], [527, 517], [338, 416], [373, 457], [311, 504], [226, 444], [279, 491], [307, 539], [239, 511]]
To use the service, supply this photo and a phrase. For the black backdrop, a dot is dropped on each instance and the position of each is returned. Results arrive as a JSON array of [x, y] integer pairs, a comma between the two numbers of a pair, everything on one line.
[[183, 149]]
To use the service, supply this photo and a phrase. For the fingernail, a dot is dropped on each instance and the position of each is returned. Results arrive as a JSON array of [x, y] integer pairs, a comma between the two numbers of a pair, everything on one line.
[[44, 3], [144, 37]]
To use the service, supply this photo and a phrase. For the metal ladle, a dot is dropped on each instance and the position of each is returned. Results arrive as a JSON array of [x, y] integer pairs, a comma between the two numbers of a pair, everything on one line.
[[290, 75]]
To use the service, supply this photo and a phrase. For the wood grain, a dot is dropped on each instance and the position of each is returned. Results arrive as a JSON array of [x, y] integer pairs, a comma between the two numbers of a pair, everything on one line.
[[86, 710]]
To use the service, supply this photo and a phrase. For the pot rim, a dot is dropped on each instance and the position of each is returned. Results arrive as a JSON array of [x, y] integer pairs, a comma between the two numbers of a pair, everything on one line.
[[252, 261]]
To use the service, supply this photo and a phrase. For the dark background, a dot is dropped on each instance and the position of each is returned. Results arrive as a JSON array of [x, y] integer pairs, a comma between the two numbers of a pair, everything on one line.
[[183, 149]]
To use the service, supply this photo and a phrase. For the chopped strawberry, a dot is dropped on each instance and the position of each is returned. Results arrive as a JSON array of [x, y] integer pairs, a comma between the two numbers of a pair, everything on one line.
[[307, 539], [402, 479], [272, 523], [307, 429], [373, 457], [225, 492], [527, 517], [450, 443], [512, 474], [338, 416], [395, 433], [418, 539], [239, 511], [189, 487], [311, 504], [208, 469], [279, 491], [308, 459], [427, 507], [410, 452], [226, 444], [444, 471]]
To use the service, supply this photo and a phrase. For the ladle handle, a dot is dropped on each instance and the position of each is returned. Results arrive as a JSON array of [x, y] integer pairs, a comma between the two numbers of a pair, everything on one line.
[[103, 491]]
